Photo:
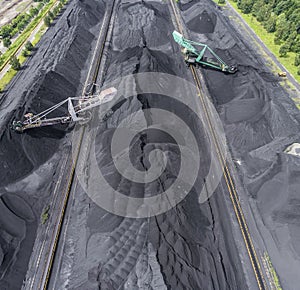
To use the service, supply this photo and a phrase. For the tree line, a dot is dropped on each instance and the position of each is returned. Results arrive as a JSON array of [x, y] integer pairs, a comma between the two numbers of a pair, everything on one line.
[[14, 61], [19, 23], [52, 14], [281, 17]]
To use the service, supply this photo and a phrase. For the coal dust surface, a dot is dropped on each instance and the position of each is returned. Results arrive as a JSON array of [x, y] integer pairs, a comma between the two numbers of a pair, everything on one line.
[[191, 246], [188, 247], [28, 161], [261, 121]]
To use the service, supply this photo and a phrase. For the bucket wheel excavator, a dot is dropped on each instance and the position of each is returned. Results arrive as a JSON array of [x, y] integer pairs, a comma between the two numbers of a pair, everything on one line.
[[200, 53], [79, 110]]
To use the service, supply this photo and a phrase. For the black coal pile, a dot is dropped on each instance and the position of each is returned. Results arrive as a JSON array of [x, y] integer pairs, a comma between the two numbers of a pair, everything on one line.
[[260, 121], [53, 74], [190, 246]]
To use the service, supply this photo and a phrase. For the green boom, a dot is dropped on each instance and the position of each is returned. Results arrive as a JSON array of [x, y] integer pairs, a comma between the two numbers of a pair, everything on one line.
[[194, 55]]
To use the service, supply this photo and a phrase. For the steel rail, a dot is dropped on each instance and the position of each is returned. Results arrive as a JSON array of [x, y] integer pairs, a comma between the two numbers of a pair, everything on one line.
[[226, 172], [71, 176]]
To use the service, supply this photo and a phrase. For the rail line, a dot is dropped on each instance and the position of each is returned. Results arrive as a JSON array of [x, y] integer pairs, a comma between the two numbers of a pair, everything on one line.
[[92, 76], [226, 172], [71, 169]]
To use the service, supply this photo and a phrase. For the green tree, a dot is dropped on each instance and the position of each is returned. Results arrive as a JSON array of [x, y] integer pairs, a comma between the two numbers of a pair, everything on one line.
[[55, 11], [40, 6], [21, 26], [33, 11], [283, 50], [29, 46], [277, 40], [298, 72], [291, 41], [50, 14], [5, 31], [263, 13], [221, 1], [14, 62], [282, 6], [245, 6], [282, 30], [27, 18], [47, 21], [256, 7], [6, 42], [297, 60], [25, 52], [270, 24], [296, 45]]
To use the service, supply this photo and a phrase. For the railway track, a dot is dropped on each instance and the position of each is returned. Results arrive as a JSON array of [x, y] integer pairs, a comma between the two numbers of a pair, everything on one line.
[[255, 263], [42, 275], [45, 274]]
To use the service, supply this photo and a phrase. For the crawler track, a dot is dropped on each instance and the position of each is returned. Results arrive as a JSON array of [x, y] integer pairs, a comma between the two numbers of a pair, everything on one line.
[[48, 250], [226, 172]]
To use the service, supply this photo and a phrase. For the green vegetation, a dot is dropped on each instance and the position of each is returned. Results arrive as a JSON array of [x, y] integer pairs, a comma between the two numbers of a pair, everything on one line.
[[297, 102], [47, 21], [18, 24], [24, 35], [45, 214], [39, 35], [53, 13], [25, 53], [27, 50], [7, 78], [29, 46], [272, 272], [5, 58], [297, 60], [220, 2], [6, 42], [274, 29], [14, 62]]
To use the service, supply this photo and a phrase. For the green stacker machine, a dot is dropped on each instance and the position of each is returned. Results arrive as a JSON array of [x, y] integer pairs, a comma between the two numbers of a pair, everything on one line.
[[194, 55]]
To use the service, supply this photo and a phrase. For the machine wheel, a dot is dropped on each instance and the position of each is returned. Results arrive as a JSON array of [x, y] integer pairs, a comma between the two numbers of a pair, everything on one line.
[[88, 89], [86, 119], [17, 126]]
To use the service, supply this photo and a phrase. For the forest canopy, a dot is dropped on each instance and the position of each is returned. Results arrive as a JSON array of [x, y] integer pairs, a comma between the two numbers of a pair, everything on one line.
[[281, 17]]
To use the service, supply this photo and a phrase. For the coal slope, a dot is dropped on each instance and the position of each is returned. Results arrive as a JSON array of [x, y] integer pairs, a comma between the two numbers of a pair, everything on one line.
[[260, 121], [28, 161], [188, 247]]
